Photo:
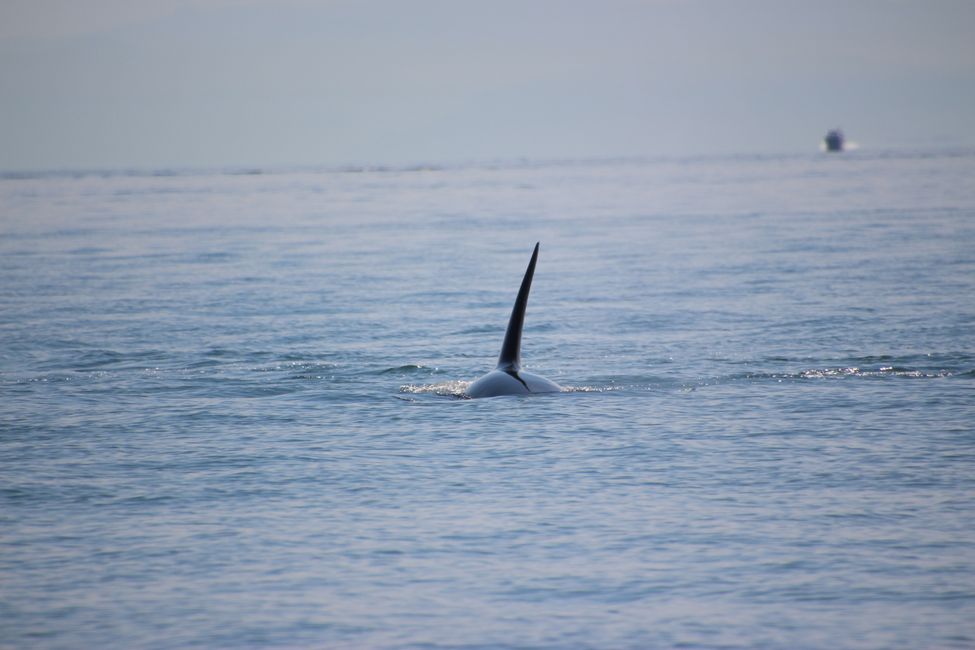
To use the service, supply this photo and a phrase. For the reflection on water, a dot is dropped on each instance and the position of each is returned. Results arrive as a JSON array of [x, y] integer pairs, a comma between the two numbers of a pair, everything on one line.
[[229, 412]]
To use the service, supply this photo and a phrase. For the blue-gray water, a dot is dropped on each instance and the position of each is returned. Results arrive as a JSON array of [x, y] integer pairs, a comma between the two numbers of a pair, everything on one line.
[[229, 413]]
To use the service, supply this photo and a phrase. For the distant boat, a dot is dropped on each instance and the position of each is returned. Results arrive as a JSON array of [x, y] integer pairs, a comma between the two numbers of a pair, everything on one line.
[[834, 140]]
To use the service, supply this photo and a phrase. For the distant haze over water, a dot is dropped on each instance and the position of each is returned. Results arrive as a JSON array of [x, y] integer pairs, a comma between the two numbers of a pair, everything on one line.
[[211, 83]]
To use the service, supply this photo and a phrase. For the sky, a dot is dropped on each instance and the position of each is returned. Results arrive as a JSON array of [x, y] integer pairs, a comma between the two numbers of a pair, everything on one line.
[[108, 84]]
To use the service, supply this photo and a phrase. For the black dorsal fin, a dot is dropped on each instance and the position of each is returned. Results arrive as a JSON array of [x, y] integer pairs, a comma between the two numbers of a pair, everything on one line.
[[510, 358]]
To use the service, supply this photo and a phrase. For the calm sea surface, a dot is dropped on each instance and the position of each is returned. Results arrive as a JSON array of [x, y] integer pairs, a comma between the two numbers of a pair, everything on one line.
[[230, 413]]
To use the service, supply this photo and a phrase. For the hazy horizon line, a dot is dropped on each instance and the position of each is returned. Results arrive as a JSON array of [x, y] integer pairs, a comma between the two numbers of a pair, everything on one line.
[[245, 169]]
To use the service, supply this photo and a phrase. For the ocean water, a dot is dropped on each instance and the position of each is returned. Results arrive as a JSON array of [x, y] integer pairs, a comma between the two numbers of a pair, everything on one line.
[[231, 413]]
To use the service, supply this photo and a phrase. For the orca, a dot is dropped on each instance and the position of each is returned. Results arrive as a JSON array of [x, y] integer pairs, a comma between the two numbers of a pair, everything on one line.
[[508, 378]]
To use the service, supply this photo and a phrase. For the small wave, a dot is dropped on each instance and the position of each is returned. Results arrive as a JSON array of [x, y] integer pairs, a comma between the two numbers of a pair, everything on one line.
[[211, 257], [848, 372], [410, 369], [820, 373], [41, 379], [199, 366], [219, 352], [99, 359], [884, 371], [456, 388], [479, 329], [592, 389], [296, 366]]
